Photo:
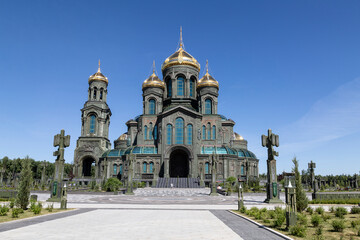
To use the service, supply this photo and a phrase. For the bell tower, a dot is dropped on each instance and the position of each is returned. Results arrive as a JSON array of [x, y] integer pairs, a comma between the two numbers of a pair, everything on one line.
[[95, 121]]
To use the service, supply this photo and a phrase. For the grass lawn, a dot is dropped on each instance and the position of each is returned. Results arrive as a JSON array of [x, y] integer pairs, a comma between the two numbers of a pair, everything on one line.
[[268, 218], [28, 214]]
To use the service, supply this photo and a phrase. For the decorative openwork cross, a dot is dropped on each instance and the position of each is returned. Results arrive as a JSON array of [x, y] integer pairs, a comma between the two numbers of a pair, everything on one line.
[[270, 141], [61, 141]]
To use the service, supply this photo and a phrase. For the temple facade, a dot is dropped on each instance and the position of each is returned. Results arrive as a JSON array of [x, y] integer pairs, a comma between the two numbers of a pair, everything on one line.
[[175, 135]]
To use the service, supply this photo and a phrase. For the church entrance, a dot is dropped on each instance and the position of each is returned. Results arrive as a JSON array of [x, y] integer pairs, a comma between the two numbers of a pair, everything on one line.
[[179, 163], [88, 167]]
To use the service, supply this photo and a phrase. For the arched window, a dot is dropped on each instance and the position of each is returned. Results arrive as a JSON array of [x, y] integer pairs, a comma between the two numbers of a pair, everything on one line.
[[115, 169], [179, 131], [101, 94], [155, 132], [207, 168], [203, 132], [144, 167], [169, 134], [95, 91], [92, 123], [121, 169], [151, 167], [189, 134], [169, 87], [213, 132], [150, 131], [208, 131], [192, 84], [152, 106], [145, 132], [242, 169], [180, 86], [208, 106]]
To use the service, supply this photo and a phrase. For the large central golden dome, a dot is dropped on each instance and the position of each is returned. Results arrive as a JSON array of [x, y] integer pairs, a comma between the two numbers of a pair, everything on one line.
[[180, 57]]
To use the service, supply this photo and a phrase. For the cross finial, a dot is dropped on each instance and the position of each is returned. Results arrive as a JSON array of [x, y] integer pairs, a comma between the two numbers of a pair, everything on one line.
[[154, 66], [181, 41], [99, 66], [207, 66]]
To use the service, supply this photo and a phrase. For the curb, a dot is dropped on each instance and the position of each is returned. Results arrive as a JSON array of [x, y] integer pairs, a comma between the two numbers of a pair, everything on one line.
[[262, 226], [34, 217]]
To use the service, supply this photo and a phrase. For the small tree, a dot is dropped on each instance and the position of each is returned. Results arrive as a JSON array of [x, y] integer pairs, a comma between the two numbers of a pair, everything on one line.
[[301, 199], [23, 195]]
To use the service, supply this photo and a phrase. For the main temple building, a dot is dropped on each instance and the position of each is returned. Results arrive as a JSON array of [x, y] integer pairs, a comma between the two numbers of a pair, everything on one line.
[[174, 137]]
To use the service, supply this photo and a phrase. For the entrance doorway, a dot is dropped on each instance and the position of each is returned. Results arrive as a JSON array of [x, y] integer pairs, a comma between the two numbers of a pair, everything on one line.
[[179, 163], [88, 167]]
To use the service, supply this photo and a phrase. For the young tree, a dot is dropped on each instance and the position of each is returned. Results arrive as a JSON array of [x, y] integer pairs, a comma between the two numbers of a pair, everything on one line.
[[301, 199], [23, 195]]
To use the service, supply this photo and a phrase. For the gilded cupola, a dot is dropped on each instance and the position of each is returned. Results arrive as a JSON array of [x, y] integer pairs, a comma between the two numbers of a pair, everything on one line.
[[238, 136], [153, 81], [207, 80], [98, 76], [180, 57]]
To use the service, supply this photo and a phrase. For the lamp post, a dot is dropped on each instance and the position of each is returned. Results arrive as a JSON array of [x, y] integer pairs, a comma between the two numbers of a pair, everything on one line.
[[290, 192], [240, 197]]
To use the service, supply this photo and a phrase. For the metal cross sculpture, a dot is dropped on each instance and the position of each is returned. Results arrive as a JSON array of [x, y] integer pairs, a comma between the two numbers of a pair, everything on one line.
[[269, 142]]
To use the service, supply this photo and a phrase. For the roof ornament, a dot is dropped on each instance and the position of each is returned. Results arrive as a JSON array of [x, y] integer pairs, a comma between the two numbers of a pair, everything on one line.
[[153, 66], [99, 67], [181, 41], [207, 66]]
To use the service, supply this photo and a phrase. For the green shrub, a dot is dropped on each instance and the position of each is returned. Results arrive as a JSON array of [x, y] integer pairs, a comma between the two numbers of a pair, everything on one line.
[[340, 212], [301, 198], [325, 217], [112, 184], [355, 223], [319, 230], [4, 210], [15, 212], [355, 210], [310, 210], [316, 220], [332, 209], [280, 219], [298, 230], [36, 209], [272, 214], [338, 225], [12, 203], [319, 210], [22, 198], [336, 201], [50, 207], [302, 219], [263, 210], [243, 209]]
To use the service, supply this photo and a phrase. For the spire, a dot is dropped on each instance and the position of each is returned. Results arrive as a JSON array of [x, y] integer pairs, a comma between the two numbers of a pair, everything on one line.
[[99, 66], [207, 66], [154, 66], [181, 41]]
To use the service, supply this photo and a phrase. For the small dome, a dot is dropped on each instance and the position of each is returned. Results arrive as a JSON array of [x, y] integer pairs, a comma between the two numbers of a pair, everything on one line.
[[98, 76], [207, 80], [180, 57], [123, 137], [238, 136], [153, 81]]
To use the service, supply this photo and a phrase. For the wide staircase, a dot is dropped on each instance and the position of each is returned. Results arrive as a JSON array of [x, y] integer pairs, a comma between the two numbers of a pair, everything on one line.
[[178, 183]]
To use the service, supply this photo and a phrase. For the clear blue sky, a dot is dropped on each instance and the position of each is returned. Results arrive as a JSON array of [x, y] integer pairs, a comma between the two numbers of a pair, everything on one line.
[[293, 66]]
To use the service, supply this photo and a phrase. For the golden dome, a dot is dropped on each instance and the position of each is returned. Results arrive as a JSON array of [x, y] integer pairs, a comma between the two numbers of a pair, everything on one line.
[[123, 137], [153, 81], [207, 80], [98, 76], [180, 57], [238, 136]]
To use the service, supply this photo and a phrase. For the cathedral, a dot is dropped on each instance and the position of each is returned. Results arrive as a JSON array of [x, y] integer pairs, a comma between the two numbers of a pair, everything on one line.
[[174, 137]]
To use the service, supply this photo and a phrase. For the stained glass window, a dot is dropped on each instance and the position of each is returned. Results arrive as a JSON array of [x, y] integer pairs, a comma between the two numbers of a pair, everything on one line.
[[169, 134], [152, 106], [213, 132], [121, 168], [145, 132], [179, 131], [92, 123], [144, 167], [208, 104], [208, 131], [115, 169], [150, 131], [189, 134], [180, 86], [169, 87], [203, 132], [207, 168], [151, 167], [192, 87], [155, 132]]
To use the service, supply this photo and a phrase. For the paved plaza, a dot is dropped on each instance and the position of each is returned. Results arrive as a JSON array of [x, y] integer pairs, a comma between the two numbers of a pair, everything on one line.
[[149, 214]]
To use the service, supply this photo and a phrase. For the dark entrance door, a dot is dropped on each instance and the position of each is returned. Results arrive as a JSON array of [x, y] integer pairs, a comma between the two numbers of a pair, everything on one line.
[[179, 164], [88, 167]]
